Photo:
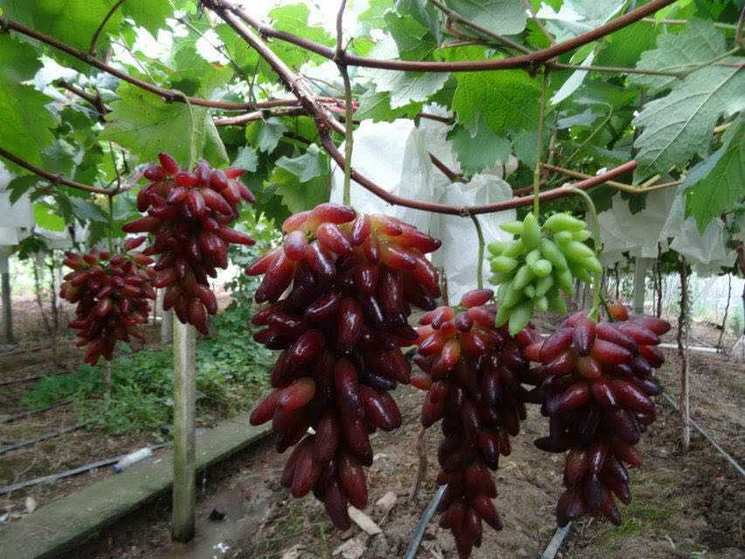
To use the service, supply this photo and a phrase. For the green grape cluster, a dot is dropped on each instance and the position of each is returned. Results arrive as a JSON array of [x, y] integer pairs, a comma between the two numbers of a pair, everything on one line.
[[538, 264]]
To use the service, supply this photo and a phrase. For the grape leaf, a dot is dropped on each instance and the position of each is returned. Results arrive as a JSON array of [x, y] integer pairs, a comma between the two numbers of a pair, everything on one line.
[[293, 18], [480, 150], [625, 46], [307, 166], [246, 159], [21, 185], [409, 87], [192, 74], [373, 16], [26, 123], [503, 17], [266, 134], [506, 100], [71, 21], [697, 43], [46, 217], [237, 49], [85, 210], [145, 125], [679, 125], [716, 184], [424, 12], [147, 13], [376, 106], [299, 196], [414, 40]]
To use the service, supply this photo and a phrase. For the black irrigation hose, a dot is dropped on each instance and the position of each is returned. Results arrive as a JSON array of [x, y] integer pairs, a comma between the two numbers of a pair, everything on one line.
[[67, 473], [46, 437], [25, 414]]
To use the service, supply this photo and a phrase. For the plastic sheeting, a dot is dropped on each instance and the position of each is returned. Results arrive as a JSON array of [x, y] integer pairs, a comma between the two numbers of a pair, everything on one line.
[[396, 156], [663, 221], [16, 220], [637, 234]]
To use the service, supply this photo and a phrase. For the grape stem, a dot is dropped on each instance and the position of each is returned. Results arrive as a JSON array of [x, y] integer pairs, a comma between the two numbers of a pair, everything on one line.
[[539, 147], [480, 261], [349, 105], [598, 277]]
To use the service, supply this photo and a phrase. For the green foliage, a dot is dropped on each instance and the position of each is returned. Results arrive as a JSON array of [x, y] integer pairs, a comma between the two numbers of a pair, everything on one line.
[[714, 186], [504, 101], [26, 123], [503, 17], [698, 43], [146, 126], [231, 372], [678, 126]]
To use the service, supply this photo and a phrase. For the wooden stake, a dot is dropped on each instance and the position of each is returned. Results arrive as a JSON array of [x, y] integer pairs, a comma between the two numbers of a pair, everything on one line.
[[683, 322], [7, 310], [640, 275], [184, 401], [166, 324]]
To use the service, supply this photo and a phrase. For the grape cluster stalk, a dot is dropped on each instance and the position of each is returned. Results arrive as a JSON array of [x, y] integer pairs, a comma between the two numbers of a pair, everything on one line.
[[597, 388], [112, 296], [473, 373], [337, 296], [188, 215]]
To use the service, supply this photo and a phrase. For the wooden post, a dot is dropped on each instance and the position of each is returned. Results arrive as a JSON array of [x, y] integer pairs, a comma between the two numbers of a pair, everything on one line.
[[683, 324], [166, 325], [184, 401], [7, 305], [723, 331], [640, 275]]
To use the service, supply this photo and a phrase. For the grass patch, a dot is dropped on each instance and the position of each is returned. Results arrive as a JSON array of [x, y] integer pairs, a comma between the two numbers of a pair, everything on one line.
[[231, 372], [641, 514], [295, 526]]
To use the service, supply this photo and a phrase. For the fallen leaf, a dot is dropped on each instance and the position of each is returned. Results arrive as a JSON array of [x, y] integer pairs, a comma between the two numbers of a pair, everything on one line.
[[363, 521], [30, 504], [293, 552], [387, 502], [351, 549]]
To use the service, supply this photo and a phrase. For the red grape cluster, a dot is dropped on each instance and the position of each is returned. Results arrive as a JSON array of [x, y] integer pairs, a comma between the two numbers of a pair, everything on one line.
[[597, 389], [339, 293], [112, 294], [473, 373], [188, 214]]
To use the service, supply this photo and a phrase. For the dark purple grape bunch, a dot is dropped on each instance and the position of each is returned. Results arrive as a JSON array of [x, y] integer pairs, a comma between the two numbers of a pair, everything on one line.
[[472, 372], [112, 295], [337, 295], [189, 216], [597, 391]]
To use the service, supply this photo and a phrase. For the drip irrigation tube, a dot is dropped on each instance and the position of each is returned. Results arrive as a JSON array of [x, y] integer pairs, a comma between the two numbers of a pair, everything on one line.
[[66, 473], [46, 437], [740, 470], [25, 414], [556, 542], [421, 526]]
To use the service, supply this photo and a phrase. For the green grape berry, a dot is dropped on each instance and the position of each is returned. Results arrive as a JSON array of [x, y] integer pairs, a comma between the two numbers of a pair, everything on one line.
[[538, 267]]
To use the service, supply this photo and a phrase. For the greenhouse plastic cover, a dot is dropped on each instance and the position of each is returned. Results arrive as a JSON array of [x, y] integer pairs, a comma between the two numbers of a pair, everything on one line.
[[396, 156]]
